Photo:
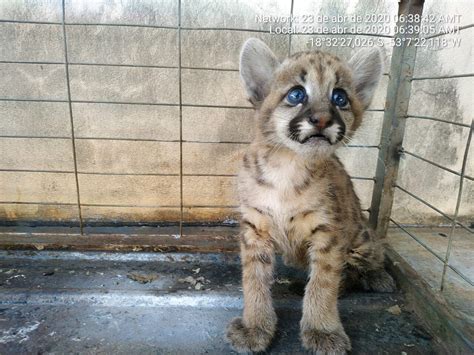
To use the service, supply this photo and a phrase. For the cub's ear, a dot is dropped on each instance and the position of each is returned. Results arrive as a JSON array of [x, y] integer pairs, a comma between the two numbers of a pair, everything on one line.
[[257, 65], [366, 65]]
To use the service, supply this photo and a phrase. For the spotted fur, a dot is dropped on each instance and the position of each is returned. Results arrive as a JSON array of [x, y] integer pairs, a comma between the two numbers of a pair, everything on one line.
[[296, 197]]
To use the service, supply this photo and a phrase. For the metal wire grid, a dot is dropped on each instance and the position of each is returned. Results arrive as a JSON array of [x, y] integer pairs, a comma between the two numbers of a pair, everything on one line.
[[180, 105], [392, 149], [453, 220]]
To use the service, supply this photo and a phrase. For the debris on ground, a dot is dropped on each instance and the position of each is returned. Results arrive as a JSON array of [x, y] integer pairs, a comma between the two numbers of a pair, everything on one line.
[[203, 280], [198, 283], [48, 273], [11, 271], [395, 310], [19, 335], [190, 280], [39, 246], [142, 278], [7, 281], [196, 271]]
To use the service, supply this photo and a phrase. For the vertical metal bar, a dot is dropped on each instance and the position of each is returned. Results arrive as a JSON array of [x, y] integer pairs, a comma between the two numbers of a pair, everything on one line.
[[291, 25], [71, 118], [396, 107], [458, 204], [181, 216]]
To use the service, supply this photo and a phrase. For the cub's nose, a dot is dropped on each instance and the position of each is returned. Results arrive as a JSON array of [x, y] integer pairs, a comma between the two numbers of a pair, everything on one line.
[[319, 121]]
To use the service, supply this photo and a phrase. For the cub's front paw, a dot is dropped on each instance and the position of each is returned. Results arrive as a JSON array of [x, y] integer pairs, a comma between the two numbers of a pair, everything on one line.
[[245, 339], [378, 281], [320, 342]]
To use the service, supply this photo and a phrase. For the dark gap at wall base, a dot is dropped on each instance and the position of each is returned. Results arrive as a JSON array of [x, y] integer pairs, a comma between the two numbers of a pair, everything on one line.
[[114, 224], [164, 239]]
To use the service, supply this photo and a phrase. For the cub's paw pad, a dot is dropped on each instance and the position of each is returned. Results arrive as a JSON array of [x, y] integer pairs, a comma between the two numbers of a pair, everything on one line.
[[319, 342], [379, 281], [245, 339]]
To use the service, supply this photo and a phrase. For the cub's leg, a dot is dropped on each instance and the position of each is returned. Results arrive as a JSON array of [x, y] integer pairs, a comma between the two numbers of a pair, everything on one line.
[[254, 331], [321, 328], [365, 265]]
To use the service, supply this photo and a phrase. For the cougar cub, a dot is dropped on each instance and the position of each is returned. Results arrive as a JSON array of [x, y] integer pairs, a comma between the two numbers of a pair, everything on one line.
[[296, 197]]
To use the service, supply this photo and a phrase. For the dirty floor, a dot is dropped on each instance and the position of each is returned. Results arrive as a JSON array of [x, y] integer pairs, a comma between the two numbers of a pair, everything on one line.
[[127, 303], [457, 292]]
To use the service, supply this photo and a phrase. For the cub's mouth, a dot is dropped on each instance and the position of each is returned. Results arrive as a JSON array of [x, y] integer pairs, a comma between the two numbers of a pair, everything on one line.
[[316, 138]]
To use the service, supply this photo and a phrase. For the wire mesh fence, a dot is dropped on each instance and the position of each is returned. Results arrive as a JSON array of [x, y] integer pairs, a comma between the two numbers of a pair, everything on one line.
[[77, 138], [181, 82], [393, 149]]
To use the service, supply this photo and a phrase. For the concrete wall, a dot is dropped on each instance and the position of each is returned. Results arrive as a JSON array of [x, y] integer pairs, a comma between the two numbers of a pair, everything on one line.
[[449, 99], [127, 120]]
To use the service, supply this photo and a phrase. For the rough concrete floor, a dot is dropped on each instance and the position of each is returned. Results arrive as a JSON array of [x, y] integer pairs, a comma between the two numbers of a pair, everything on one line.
[[457, 292], [69, 302]]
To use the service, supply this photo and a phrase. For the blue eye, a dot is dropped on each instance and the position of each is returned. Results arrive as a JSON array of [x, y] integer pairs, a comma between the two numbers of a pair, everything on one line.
[[296, 95], [339, 97]]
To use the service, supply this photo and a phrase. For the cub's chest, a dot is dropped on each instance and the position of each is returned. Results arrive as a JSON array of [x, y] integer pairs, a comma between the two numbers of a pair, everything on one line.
[[283, 191]]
